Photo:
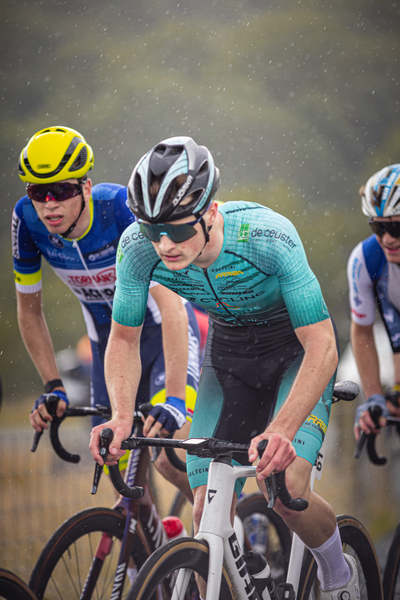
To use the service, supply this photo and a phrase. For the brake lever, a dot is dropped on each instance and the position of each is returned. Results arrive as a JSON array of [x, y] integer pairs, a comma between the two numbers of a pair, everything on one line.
[[51, 405], [369, 439], [276, 487], [106, 437]]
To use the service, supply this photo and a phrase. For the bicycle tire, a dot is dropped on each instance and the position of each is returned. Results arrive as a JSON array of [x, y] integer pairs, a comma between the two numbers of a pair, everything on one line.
[[65, 561], [271, 537], [357, 542], [185, 553], [13, 588], [391, 576]]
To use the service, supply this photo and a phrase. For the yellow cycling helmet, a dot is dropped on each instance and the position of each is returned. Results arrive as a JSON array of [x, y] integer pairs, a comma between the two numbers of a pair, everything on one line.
[[55, 154]]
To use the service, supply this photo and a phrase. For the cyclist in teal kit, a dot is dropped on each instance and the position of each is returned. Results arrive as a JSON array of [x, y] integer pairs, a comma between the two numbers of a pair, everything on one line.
[[271, 352]]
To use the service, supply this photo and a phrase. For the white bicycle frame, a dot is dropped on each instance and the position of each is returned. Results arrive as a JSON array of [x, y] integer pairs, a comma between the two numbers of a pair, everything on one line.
[[217, 532]]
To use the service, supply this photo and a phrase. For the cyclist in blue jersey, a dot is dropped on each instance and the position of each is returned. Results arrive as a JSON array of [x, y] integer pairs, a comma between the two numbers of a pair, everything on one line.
[[271, 353], [76, 228], [373, 272]]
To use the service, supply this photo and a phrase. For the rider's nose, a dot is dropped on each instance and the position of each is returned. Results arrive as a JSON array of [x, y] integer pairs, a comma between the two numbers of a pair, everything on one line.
[[165, 243]]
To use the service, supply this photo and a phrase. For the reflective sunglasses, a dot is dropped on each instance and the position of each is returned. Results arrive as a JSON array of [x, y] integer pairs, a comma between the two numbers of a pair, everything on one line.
[[53, 191], [381, 227], [177, 233]]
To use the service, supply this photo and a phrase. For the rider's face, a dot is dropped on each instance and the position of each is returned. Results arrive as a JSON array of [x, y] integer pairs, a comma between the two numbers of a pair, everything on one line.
[[389, 244], [57, 216], [178, 255]]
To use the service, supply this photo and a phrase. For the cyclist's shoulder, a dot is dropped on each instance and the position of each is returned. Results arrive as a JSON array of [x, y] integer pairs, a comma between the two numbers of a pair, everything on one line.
[[108, 191], [367, 259], [110, 202], [110, 194], [253, 214], [374, 257]]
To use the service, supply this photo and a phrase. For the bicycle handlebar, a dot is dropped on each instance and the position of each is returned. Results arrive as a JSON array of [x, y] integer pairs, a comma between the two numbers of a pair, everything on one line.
[[84, 411], [369, 439], [204, 448], [71, 411]]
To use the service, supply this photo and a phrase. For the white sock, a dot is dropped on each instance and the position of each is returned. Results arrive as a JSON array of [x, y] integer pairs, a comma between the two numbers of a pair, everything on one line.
[[333, 570]]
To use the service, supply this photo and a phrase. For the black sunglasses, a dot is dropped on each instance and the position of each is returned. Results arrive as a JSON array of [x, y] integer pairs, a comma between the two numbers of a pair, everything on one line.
[[177, 233], [381, 227], [53, 191]]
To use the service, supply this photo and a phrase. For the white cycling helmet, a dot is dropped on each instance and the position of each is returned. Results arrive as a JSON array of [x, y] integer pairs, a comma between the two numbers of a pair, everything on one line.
[[381, 195]]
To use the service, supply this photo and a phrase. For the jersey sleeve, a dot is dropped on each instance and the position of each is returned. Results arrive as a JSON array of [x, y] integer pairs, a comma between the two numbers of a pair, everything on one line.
[[26, 255], [299, 286], [133, 278], [361, 288]]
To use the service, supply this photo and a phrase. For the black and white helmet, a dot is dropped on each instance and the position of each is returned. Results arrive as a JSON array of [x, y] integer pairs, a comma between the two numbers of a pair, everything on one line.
[[381, 194], [166, 176]]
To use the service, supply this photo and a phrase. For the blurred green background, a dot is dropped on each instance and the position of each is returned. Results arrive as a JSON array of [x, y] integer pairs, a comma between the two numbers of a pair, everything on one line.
[[299, 103], [297, 100]]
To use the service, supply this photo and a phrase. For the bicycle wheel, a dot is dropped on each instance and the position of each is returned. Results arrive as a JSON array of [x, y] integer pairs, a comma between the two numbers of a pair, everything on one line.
[[13, 588], [356, 541], [391, 577], [266, 532], [160, 571], [70, 562]]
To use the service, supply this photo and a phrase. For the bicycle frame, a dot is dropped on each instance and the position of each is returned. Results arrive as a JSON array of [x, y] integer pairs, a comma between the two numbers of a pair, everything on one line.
[[217, 532]]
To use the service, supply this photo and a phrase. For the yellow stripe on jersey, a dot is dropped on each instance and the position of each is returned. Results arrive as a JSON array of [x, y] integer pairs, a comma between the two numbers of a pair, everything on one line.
[[122, 463], [191, 395], [28, 278]]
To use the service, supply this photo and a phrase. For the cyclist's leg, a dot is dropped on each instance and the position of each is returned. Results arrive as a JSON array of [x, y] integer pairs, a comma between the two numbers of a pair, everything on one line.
[[157, 395], [316, 526], [358, 544], [307, 443]]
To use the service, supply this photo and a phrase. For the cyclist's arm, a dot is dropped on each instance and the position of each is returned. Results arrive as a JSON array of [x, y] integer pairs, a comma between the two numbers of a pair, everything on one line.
[[318, 365], [175, 337], [37, 340], [122, 372], [366, 356]]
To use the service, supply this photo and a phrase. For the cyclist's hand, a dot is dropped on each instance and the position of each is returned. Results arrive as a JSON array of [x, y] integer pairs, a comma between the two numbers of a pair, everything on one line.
[[39, 413], [166, 418], [277, 456], [364, 421], [122, 429]]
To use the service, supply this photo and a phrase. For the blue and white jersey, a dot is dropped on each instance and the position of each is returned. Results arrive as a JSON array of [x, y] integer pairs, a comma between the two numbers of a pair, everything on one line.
[[87, 264], [373, 281]]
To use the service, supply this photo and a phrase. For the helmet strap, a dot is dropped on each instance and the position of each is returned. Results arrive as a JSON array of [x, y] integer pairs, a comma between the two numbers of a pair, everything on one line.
[[74, 224], [206, 231]]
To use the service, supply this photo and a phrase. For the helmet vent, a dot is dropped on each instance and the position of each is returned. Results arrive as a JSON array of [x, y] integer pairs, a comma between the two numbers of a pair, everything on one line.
[[80, 161]]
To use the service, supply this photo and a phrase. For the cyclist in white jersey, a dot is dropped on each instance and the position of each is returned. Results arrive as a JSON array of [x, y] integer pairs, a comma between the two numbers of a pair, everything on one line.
[[373, 272], [271, 353], [76, 228]]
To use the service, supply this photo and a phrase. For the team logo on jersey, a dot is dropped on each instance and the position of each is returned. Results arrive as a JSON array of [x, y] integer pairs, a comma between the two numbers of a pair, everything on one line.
[[16, 222], [56, 241], [244, 232], [229, 274]]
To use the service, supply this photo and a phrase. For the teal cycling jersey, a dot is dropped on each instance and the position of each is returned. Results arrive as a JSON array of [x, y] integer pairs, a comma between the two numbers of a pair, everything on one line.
[[261, 275]]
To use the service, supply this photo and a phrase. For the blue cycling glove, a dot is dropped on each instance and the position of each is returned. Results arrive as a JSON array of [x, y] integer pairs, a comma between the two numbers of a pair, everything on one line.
[[374, 400], [43, 398], [171, 414]]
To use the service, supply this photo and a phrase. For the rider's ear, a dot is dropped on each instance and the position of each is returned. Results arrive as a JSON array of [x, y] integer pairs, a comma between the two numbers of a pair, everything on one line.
[[87, 189]]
